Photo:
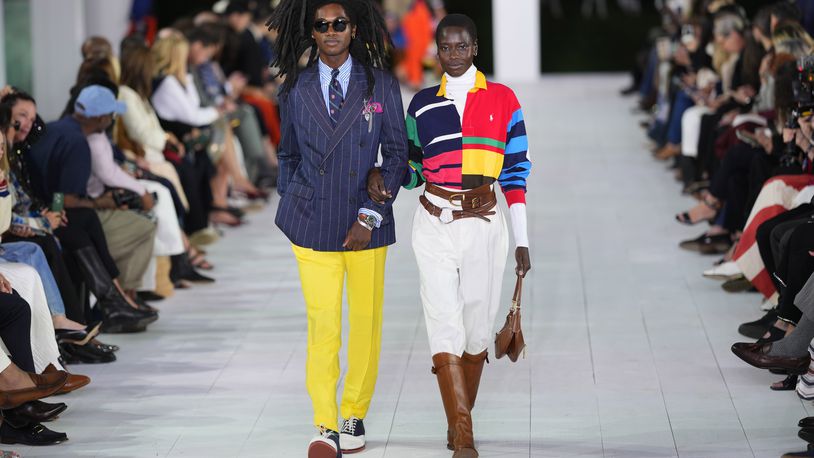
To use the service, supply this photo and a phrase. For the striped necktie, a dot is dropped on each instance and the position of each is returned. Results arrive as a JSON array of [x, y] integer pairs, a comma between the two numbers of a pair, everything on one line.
[[336, 99]]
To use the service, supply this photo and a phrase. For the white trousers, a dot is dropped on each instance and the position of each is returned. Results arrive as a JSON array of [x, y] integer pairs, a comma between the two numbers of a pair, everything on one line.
[[461, 270], [26, 281], [691, 129], [168, 239]]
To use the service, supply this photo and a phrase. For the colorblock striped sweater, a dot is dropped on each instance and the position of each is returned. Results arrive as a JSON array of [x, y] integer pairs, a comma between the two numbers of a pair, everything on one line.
[[489, 145]]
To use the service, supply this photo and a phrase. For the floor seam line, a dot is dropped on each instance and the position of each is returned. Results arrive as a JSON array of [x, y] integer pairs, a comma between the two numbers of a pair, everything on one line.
[[718, 365], [590, 342], [658, 378]]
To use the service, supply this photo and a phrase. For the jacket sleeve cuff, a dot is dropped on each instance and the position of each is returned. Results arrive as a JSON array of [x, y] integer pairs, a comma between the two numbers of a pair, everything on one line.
[[374, 214]]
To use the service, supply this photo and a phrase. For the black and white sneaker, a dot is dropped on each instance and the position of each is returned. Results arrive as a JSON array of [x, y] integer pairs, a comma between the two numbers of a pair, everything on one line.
[[352, 435], [325, 445]]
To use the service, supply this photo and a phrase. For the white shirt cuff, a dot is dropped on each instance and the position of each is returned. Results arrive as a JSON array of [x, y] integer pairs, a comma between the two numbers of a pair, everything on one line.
[[519, 224]]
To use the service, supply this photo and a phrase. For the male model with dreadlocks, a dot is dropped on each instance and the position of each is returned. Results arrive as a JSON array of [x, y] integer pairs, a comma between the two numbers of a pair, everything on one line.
[[464, 135], [335, 115]]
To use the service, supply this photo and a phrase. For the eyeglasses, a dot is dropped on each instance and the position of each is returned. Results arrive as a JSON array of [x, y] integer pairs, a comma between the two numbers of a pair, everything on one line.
[[339, 25]]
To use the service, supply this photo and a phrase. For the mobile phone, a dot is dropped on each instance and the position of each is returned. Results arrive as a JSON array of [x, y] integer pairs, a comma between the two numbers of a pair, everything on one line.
[[747, 137], [58, 202]]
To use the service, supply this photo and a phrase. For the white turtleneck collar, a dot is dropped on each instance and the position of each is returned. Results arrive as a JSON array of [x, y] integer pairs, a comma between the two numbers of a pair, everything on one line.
[[458, 87]]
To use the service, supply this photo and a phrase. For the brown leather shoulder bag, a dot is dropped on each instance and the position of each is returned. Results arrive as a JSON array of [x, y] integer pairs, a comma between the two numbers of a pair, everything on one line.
[[509, 341]]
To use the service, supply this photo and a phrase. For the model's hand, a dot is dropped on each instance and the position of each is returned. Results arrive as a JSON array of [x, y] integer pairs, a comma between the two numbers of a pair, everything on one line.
[[521, 255], [358, 237], [375, 186]]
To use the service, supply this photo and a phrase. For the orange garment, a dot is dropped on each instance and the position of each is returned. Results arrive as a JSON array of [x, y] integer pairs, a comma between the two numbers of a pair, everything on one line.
[[417, 27], [268, 110]]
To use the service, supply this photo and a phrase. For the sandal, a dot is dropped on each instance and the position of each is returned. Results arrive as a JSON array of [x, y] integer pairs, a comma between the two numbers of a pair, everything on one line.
[[221, 216], [686, 218], [199, 261], [787, 384]]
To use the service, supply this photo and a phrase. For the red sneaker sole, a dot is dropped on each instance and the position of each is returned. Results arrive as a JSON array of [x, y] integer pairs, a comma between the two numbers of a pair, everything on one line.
[[321, 450]]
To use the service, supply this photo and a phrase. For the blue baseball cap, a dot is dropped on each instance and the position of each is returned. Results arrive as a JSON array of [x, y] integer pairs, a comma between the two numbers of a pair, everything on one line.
[[98, 100]]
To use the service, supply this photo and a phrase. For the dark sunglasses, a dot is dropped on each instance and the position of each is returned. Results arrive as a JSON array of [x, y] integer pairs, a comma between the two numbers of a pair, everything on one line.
[[339, 25]]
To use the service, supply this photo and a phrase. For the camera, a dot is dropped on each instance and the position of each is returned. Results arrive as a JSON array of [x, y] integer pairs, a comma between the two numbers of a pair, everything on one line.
[[803, 91]]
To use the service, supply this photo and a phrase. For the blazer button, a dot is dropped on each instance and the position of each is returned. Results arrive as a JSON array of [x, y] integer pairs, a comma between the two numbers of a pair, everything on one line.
[[352, 200], [353, 173], [322, 171]]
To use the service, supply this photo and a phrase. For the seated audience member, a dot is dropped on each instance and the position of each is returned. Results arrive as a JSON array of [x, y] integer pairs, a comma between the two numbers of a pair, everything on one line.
[[176, 101], [144, 133], [206, 41], [746, 153], [59, 163], [247, 58], [20, 385]]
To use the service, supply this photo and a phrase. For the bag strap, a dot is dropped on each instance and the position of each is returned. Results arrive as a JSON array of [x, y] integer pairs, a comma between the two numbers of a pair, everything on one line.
[[518, 289]]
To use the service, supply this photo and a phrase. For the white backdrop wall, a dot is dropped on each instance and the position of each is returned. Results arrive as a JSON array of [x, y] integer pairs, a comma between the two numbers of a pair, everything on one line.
[[516, 25], [2, 49], [58, 29]]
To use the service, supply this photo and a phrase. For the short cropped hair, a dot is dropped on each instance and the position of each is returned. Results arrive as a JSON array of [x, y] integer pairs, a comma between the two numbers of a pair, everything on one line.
[[457, 20]]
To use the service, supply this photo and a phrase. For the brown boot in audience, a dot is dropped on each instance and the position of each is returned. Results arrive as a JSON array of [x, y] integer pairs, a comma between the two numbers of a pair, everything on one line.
[[73, 383], [449, 369]]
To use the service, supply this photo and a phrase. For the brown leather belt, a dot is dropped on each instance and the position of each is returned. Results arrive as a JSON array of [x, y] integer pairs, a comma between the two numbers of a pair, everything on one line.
[[475, 203]]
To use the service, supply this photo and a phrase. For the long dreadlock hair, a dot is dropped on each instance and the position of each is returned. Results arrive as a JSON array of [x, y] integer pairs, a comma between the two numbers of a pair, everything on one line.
[[293, 20]]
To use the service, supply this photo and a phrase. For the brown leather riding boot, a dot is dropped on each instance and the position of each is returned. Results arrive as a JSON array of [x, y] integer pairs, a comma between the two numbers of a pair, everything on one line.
[[449, 370], [473, 368]]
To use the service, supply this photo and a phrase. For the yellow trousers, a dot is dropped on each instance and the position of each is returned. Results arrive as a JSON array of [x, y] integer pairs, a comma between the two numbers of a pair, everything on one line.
[[322, 274]]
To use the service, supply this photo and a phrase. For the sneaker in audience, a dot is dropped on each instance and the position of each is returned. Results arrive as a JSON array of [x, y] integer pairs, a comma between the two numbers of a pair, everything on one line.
[[325, 445], [725, 271], [352, 435], [769, 304]]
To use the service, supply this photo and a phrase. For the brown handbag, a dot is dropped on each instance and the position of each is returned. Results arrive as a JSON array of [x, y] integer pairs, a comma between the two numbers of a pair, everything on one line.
[[509, 341]]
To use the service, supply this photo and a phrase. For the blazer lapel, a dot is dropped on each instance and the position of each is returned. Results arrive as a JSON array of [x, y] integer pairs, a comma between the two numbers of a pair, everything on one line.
[[312, 93], [351, 109]]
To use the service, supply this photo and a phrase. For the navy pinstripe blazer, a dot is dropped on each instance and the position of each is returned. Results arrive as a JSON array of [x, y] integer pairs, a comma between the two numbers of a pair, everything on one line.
[[323, 170]]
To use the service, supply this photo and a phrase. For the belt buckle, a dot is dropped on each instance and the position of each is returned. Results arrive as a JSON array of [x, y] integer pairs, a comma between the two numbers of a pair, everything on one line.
[[446, 215], [460, 196]]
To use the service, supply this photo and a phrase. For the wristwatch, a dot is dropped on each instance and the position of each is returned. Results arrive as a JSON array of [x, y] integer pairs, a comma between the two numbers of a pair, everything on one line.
[[368, 221]]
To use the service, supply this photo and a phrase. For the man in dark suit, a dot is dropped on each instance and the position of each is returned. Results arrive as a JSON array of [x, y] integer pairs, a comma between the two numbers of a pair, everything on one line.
[[336, 113]]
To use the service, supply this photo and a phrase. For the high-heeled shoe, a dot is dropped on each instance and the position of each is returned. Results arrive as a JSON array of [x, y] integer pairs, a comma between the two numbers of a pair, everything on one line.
[[78, 337], [84, 354]]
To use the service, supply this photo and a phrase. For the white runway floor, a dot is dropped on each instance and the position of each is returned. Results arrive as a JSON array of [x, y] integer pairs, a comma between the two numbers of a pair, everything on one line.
[[628, 345]]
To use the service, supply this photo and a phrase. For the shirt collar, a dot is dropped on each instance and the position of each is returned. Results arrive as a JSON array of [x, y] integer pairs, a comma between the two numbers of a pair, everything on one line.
[[480, 83], [344, 69]]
